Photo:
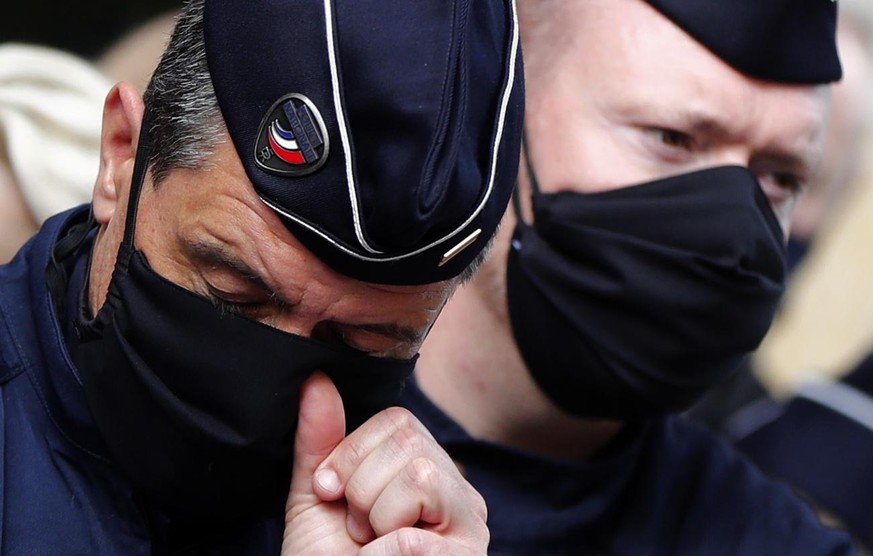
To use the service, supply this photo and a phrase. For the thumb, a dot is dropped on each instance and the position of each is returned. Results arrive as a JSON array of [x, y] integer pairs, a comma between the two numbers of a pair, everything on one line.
[[320, 428]]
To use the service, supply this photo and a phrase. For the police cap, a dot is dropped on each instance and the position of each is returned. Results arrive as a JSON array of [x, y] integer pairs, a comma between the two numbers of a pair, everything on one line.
[[788, 41], [384, 132]]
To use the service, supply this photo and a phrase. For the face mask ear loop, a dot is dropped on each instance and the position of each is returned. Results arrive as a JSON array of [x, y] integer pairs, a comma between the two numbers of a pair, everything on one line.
[[126, 249], [140, 169], [516, 203], [532, 177]]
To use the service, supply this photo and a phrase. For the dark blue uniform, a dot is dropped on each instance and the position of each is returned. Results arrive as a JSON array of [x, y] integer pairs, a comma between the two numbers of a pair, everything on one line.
[[667, 488], [59, 492], [819, 441]]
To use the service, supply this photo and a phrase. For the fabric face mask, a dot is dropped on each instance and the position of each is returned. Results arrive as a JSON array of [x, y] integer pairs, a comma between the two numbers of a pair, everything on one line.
[[635, 301], [199, 408]]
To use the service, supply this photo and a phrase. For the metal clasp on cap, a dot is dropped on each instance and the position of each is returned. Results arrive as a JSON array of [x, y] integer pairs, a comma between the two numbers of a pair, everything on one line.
[[454, 251]]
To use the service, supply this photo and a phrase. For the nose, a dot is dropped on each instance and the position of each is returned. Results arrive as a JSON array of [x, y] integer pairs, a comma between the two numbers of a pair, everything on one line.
[[781, 200], [295, 323], [313, 328], [732, 156]]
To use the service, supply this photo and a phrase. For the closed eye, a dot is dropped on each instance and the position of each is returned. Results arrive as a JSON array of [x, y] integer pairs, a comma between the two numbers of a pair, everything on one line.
[[381, 340], [249, 309], [226, 307]]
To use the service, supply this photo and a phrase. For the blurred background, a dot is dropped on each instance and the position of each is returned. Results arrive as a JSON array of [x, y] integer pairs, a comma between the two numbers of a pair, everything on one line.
[[85, 28], [59, 59]]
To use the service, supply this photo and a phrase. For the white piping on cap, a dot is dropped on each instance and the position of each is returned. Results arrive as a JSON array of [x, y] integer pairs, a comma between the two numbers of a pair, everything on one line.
[[343, 127], [344, 136]]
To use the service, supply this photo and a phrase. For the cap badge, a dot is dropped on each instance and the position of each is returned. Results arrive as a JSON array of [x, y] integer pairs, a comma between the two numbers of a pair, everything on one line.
[[292, 139]]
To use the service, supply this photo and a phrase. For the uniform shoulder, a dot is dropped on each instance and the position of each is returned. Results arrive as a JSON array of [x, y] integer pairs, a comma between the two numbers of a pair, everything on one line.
[[719, 491]]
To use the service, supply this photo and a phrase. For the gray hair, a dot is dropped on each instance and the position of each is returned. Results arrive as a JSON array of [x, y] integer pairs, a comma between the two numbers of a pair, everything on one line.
[[186, 123], [470, 272]]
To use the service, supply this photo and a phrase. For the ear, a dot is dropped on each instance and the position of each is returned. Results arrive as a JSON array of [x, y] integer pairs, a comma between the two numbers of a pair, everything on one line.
[[122, 120]]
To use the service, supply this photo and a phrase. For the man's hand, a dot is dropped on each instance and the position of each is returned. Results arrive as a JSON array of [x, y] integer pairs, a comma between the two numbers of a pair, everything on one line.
[[386, 489]]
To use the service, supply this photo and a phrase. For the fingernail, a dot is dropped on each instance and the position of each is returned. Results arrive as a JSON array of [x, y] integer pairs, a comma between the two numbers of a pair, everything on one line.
[[327, 480]]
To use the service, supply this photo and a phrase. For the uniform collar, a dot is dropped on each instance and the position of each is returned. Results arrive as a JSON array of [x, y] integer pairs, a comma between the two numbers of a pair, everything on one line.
[[57, 378]]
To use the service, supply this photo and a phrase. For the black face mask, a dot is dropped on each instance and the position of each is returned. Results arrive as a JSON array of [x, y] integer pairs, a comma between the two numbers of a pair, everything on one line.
[[633, 302], [199, 408]]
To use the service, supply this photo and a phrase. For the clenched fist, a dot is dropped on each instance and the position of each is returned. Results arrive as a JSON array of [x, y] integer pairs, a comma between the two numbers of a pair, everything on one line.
[[386, 489]]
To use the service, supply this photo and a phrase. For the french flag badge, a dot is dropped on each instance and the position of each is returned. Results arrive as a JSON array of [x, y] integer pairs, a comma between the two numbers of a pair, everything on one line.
[[292, 140]]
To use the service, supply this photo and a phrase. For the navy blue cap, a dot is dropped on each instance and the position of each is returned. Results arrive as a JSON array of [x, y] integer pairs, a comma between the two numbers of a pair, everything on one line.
[[385, 132], [787, 41]]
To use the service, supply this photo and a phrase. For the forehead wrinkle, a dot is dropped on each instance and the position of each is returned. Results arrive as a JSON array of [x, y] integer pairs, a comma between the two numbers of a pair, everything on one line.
[[217, 253], [252, 239], [269, 254]]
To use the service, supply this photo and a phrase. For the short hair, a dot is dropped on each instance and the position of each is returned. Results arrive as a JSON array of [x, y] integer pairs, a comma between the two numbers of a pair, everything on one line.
[[470, 272], [186, 122]]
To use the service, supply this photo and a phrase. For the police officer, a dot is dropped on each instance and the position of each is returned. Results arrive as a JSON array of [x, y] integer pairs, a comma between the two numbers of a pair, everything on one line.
[[666, 143], [300, 190]]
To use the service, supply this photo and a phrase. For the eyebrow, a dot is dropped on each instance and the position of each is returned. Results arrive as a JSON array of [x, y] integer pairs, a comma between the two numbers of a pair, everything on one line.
[[217, 254], [789, 162], [701, 121]]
